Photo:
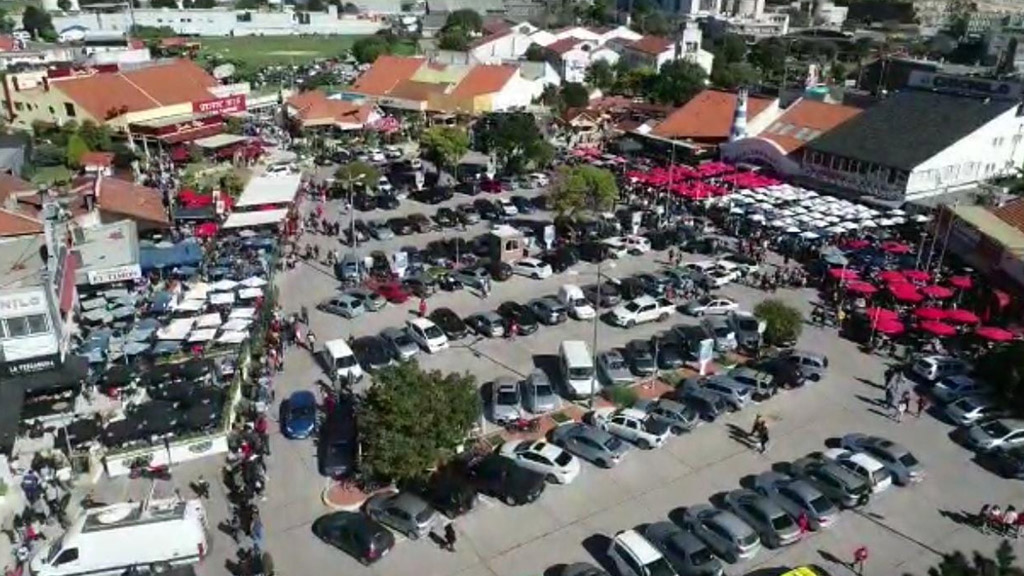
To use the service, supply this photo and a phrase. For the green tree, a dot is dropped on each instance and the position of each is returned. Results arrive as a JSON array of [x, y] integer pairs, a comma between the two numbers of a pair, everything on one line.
[[76, 149], [6, 22], [731, 48], [957, 564], [594, 14], [536, 53], [95, 136], [735, 75], [163, 3], [233, 125], [516, 139], [601, 75], [583, 188], [783, 323], [467, 19], [456, 39], [769, 56], [633, 82], [362, 172], [575, 95], [444, 145], [123, 155], [316, 5], [366, 50], [36, 22], [64, 5], [48, 154], [411, 420], [677, 82]]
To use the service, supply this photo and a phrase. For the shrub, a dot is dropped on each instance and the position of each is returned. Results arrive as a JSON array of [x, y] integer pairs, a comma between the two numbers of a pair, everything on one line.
[[622, 397], [783, 323]]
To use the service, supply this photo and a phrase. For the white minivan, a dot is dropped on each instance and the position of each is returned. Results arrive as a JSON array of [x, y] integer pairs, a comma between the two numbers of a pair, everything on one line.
[[153, 536], [571, 296], [577, 368], [340, 362]]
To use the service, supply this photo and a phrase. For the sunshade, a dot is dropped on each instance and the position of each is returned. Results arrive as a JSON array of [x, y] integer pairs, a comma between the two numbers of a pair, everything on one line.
[[962, 316], [994, 333], [937, 292], [939, 329], [859, 287], [930, 314]]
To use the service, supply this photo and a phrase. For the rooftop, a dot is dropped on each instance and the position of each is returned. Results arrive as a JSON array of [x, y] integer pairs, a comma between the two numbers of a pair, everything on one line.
[[314, 107], [386, 73], [806, 120], [652, 45], [484, 80], [994, 225], [564, 45], [16, 224], [122, 198], [910, 127], [708, 116]]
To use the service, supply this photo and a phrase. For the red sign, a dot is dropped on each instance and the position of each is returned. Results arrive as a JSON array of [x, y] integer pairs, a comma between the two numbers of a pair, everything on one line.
[[226, 105]]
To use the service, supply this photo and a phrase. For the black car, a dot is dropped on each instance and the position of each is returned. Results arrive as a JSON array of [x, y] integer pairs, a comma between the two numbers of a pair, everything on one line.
[[467, 213], [435, 195], [503, 479], [640, 355], [561, 259], [421, 285], [784, 374], [420, 223], [630, 288], [355, 534], [1006, 462], [487, 209], [371, 352], [523, 205], [364, 202], [523, 316], [594, 252], [654, 284], [670, 354], [447, 490], [449, 323], [400, 226], [467, 188], [449, 283], [609, 295], [387, 201], [338, 446], [499, 271], [445, 217]]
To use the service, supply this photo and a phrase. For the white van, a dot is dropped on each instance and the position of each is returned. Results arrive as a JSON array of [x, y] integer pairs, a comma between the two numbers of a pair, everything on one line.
[[152, 535], [571, 296], [577, 367], [340, 362]]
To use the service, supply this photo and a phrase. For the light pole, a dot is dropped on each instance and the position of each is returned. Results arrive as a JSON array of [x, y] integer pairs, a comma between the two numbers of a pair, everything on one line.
[[352, 208], [597, 317]]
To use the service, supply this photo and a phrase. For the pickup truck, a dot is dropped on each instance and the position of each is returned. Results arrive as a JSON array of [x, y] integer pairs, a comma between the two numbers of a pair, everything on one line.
[[640, 310]]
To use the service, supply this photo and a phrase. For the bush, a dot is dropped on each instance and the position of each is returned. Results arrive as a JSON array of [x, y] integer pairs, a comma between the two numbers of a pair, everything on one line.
[[783, 323], [621, 397]]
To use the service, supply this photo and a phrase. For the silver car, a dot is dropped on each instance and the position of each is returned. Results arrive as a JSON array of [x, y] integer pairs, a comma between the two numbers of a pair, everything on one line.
[[399, 343], [590, 443], [839, 484], [775, 526], [731, 538], [488, 324], [972, 409], [343, 305], [678, 416], [506, 400], [473, 277], [538, 394], [613, 369], [689, 555], [380, 230], [371, 300], [404, 512], [901, 463], [1000, 433], [548, 310], [797, 496], [736, 395]]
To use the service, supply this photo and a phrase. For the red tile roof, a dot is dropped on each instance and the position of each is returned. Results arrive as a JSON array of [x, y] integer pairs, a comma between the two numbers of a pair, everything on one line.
[[100, 159], [15, 224], [8, 44], [11, 184], [484, 80], [496, 25], [385, 74], [564, 45], [806, 120], [652, 45], [1012, 213], [708, 116], [123, 199], [108, 95], [315, 107]]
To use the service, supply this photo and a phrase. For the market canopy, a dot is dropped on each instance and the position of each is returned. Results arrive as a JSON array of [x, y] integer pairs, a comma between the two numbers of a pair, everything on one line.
[[890, 327], [263, 190], [962, 316], [994, 333], [931, 314], [937, 292], [257, 218], [185, 253], [939, 329]]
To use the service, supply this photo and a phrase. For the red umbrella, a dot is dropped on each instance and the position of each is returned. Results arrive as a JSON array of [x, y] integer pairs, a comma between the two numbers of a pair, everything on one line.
[[961, 282], [890, 327], [994, 333], [207, 229], [961, 316], [905, 293], [861, 287], [857, 244], [895, 247], [937, 292], [930, 314], [879, 315], [892, 276], [843, 274], [917, 275], [937, 329]]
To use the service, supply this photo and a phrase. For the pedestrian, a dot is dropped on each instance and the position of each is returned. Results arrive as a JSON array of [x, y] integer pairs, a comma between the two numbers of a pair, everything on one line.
[[1010, 518], [860, 557], [257, 533], [902, 406], [758, 423], [672, 255], [890, 398], [423, 307], [803, 522], [450, 537], [994, 519], [890, 374], [982, 519], [762, 439], [201, 487], [922, 404]]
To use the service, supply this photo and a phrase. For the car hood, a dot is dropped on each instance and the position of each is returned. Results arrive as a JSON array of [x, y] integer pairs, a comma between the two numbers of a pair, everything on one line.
[[656, 426], [978, 437]]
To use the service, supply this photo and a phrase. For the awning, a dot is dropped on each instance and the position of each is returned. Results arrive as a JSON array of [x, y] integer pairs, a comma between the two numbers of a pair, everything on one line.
[[219, 141], [279, 189], [258, 218], [69, 374]]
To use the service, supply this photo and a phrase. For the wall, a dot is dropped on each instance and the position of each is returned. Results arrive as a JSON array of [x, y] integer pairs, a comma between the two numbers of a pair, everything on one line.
[[17, 304], [35, 103], [511, 46], [219, 22], [518, 92]]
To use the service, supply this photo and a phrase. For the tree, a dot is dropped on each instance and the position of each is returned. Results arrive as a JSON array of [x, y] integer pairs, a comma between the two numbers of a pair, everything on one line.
[[957, 564], [769, 56], [316, 5], [357, 171], [76, 149], [734, 75], [444, 145], [233, 125], [583, 188], [595, 14], [350, 8], [677, 82], [516, 139], [163, 3], [48, 154], [6, 23], [601, 75], [95, 136], [536, 53], [467, 19], [633, 82], [411, 420], [783, 323], [367, 50], [64, 5], [731, 48], [36, 22], [456, 39], [575, 95]]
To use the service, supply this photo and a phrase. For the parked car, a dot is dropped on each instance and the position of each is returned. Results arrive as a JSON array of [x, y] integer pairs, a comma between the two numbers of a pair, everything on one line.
[[612, 369], [449, 323], [399, 343], [298, 415], [427, 334], [503, 479], [523, 317], [736, 395], [473, 277], [932, 368], [487, 209], [523, 205], [633, 555], [560, 259], [812, 365], [748, 330], [641, 310], [401, 226], [863, 466], [393, 292], [357, 535], [970, 410], [840, 485], [707, 404], [548, 310], [539, 395], [446, 218], [370, 300], [609, 295], [724, 532], [343, 305], [722, 331], [668, 352], [641, 357], [631, 424], [677, 416], [590, 443], [467, 213], [532, 268], [774, 526], [762, 384], [1006, 462], [952, 388], [372, 352], [556, 464], [488, 324], [708, 305], [798, 496], [998, 433], [506, 400], [687, 554], [420, 223], [901, 463], [337, 446], [403, 512]]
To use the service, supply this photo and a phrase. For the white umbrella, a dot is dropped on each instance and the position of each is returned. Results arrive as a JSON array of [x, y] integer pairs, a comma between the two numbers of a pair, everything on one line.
[[886, 222], [736, 210], [793, 230], [836, 229], [809, 236], [868, 224], [224, 285], [755, 218], [897, 212], [850, 225], [254, 282], [899, 220], [922, 218]]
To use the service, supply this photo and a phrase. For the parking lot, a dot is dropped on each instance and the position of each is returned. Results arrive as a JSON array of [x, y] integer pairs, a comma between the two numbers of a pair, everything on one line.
[[905, 529]]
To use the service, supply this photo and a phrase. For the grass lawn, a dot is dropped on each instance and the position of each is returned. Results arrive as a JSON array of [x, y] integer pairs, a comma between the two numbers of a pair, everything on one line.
[[260, 51]]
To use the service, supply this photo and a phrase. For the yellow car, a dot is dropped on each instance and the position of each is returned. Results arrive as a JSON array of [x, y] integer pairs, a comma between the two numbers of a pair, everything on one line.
[[807, 571]]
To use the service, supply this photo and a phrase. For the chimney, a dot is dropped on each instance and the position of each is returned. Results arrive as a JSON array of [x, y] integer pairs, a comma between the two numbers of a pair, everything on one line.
[[739, 118]]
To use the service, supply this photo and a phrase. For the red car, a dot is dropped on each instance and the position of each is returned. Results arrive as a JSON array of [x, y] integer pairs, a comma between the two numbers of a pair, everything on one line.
[[393, 292], [491, 186]]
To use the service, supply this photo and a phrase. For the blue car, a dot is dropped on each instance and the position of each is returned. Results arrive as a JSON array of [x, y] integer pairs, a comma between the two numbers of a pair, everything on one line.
[[298, 415]]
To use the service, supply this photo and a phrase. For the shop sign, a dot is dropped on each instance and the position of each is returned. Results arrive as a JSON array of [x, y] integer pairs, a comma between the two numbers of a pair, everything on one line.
[[965, 85], [22, 304], [118, 274], [30, 365], [226, 105]]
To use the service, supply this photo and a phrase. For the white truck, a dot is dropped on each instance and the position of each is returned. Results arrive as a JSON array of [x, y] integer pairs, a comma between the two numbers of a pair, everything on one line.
[[153, 536], [642, 309]]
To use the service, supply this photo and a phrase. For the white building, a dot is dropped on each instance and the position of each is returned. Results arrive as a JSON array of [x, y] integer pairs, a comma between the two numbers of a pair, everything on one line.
[[767, 25], [924, 142], [507, 44], [655, 51]]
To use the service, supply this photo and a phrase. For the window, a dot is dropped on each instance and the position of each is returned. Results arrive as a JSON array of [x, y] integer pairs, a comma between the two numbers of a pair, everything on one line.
[[69, 555], [69, 109], [626, 557], [26, 325]]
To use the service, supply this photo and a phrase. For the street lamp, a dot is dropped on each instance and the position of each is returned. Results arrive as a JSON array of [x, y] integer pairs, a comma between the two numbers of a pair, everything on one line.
[[597, 317], [352, 207]]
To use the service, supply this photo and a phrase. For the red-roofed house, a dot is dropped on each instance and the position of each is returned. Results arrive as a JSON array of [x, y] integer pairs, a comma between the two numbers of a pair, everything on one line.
[[14, 224], [572, 56], [779, 145], [707, 118], [502, 42], [655, 51], [102, 162], [314, 109], [100, 200]]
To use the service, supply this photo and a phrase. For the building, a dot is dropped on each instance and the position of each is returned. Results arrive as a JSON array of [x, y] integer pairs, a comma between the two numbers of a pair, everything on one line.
[[948, 133], [314, 109], [768, 25], [683, 8], [484, 7], [989, 239], [1003, 43], [655, 51], [706, 120], [931, 15], [779, 146], [14, 150], [573, 56], [501, 42]]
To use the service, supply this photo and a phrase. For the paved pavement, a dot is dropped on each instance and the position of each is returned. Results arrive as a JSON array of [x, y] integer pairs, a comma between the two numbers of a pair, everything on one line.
[[905, 529]]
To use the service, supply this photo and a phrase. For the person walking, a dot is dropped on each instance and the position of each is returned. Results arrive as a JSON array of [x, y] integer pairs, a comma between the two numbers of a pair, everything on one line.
[[982, 519], [257, 533], [1010, 518], [762, 439], [423, 308], [994, 519], [803, 522], [450, 537], [890, 399], [902, 406], [922, 405], [860, 557]]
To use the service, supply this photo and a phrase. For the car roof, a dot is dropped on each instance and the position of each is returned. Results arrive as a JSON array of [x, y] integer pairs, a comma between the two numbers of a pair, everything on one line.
[[731, 522], [502, 382], [421, 323], [632, 413], [866, 461], [644, 551], [337, 348], [546, 449], [645, 300], [393, 332], [409, 502], [303, 397]]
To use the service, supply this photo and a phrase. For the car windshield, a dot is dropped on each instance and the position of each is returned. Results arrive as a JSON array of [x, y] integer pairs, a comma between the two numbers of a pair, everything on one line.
[[543, 390], [782, 522], [508, 397], [632, 307], [424, 514], [403, 340], [660, 567], [580, 303], [345, 361], [908, 460], [616, 363], [701, 557], [995, 429], [748, 325], [563, 459], [580, 372], [303, 411], [433, 332], [55, 550], [612, 443], [820, 505], [967, 404]]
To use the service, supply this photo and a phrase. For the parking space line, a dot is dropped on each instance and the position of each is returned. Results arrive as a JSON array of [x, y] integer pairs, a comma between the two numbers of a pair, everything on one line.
[[901, 534], [495, 361]]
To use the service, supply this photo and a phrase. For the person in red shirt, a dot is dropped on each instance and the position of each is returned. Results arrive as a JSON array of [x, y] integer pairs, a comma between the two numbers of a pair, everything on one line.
[[261, 425], [860, 556], [423, 307], [803, 522]]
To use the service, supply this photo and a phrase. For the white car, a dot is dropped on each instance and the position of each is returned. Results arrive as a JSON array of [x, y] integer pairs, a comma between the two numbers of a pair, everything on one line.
[[532, 268], [507, 207], [718, 277], [641, 310], [427, 335], [384, 185], [972, 409], [540, 456], [616, 246], [278, 168], [708, 305], [392, 152], [539, 179], [863, 466], [633, 425], [637, 244], [700, 267], [376, 156]]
